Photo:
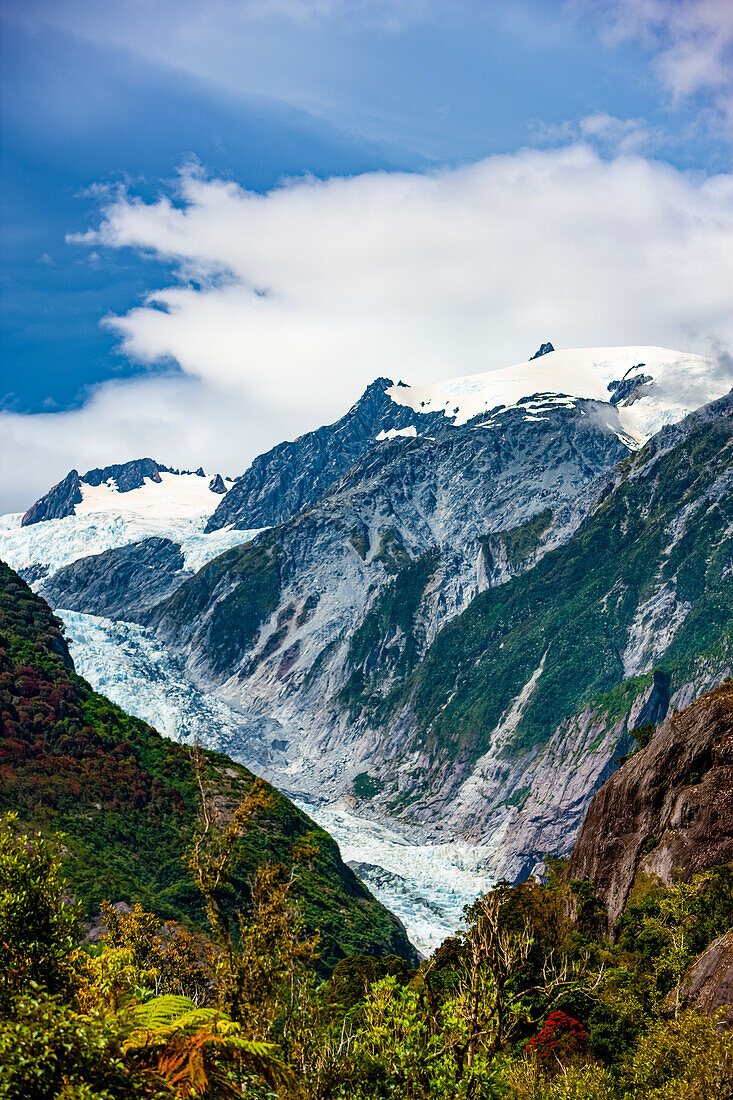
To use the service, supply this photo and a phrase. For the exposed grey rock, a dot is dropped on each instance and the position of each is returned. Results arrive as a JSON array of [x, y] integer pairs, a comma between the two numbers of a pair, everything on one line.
[[217, 484], [126, 475], [292, 475], [121, 583], [57, 502], [629, 389], [543, 349], [418, 507]]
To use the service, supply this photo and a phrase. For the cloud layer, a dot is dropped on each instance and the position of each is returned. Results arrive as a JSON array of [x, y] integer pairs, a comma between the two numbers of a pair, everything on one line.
[[289, 303]]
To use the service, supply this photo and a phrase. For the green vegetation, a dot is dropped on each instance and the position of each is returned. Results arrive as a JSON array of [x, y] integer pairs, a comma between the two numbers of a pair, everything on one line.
[[391, 552], [526, 1004], [573, 610], [519, 542], [127, 798], [359, 539], [246, 581], [643, 734], [389, 641], [366, 786]]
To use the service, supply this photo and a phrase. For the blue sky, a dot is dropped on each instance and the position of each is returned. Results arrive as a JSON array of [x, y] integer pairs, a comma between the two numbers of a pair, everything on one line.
[[95, 96]]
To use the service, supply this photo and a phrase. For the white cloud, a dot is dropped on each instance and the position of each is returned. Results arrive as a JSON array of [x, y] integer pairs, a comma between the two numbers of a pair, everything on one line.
[[607, 133], [304, 295], [692, 40]]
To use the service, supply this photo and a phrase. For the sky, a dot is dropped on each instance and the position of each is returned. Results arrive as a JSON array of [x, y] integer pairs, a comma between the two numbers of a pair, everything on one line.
[[221, 219]]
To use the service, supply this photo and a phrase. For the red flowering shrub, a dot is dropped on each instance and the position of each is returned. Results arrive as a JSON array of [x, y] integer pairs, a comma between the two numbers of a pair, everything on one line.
[[560, 1039]]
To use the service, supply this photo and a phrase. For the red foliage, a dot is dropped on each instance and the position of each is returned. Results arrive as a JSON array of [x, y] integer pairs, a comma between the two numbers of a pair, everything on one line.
[[559, 1039]]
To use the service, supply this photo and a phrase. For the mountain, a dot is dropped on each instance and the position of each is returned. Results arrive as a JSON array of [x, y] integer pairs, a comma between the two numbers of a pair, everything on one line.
[[466, 597], [99, 490], [521, 704], [668, 808], [292, 475], [663, 385], [118, 507], [126, 798]]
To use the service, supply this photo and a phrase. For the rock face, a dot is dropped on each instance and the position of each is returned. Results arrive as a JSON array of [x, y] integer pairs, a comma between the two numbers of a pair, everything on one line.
[[119, 584], [333, 609], [669, 806], [543, 349], [708, 985], [285, 479], [127, 475], [57, 502]]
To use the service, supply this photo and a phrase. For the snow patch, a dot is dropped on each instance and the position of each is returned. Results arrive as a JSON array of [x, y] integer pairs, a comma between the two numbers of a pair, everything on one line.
[[174, 497], [391, 433]]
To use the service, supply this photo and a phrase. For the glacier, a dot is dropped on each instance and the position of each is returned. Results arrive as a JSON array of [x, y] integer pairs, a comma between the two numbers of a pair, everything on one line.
[[58, 542], [425, 884]]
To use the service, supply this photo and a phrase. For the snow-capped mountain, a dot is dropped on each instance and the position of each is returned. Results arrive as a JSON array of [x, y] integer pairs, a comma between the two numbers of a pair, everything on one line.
[[647, 387], [118, 506], [650, 387], [314, 601]]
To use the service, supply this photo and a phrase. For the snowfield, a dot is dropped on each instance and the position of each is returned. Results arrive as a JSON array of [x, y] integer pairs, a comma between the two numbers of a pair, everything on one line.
[[680, 383]]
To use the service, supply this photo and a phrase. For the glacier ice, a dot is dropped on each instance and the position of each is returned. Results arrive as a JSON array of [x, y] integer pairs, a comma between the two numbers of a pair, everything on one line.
[[58, 542], [425, 884]]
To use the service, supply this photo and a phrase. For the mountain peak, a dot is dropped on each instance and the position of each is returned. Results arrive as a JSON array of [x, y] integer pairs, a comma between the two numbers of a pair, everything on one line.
[[673, 384], [141, 485], [543, 349]]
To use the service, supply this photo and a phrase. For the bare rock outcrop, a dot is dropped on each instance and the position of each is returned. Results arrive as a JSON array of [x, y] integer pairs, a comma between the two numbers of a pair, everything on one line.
[[670, 806], [708, 985]]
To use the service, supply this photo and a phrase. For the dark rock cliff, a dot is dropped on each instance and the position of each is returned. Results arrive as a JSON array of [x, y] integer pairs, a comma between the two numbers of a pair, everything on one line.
[[670, 806], [120, 583], [58, 502], [285, 479]]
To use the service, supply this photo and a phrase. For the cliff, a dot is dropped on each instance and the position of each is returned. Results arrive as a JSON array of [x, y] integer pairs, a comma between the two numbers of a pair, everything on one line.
[[668, 807]]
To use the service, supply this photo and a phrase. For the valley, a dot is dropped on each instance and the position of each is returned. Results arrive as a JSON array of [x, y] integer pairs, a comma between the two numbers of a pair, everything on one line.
[[435, 623]]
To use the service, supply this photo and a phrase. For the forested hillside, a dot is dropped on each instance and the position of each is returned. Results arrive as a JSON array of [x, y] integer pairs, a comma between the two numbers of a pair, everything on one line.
[[127, 798]]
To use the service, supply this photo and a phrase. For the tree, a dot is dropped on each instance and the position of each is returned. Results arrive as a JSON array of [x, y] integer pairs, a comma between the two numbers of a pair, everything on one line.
[[38, 928]]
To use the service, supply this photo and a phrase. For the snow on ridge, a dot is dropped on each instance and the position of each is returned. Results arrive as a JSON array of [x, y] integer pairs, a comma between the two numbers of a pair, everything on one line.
[[176, 508], [174, 497], [680, 383]]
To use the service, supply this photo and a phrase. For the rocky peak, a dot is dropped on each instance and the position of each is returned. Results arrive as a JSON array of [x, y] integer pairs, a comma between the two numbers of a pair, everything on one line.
[[58, 502], [217, 485], [61, 500], [295, 474], [543, 349]]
